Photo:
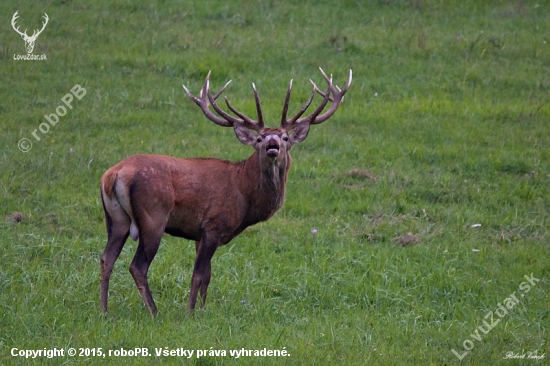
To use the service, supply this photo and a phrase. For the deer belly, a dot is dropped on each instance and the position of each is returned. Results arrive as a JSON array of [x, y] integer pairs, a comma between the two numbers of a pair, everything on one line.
[[183, 225]]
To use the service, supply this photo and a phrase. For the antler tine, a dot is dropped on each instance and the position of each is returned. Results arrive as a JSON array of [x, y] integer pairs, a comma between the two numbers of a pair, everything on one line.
[[191, 96], [289, 124], [222, 89], [226, 116], [244, 121], [205, 99], [237, 112], [329, 80], [258, 108], [311, 117], [206, 85], [285, 106], [337, 97], [322, 93]]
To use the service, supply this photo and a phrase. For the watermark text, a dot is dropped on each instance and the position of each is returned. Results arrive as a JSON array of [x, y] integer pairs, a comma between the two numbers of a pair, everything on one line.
[[492, 318], [25, 144]]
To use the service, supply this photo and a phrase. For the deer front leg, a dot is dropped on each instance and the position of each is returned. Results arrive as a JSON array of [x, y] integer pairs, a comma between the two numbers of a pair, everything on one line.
[[201, 273]]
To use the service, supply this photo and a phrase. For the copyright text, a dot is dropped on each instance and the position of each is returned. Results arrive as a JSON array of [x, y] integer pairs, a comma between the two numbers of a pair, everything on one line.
[[147, 352]]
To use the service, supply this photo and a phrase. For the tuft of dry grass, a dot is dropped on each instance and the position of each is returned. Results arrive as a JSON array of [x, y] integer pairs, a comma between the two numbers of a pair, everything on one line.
[[360, 173], [407, 239]]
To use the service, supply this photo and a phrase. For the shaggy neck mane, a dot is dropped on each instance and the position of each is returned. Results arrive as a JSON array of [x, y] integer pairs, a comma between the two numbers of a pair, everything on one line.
[[269, 180]]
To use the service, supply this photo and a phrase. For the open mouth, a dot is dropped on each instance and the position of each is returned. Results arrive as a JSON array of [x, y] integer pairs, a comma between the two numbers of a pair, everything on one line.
[[272, 148]]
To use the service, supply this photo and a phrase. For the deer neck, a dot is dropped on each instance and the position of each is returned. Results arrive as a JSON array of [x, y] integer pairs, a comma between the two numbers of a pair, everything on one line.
[[265, 180]]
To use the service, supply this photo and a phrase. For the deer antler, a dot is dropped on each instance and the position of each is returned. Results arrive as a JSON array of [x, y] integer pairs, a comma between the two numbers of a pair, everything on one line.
[[37, 32], [206, 100], [13, 19], [333, 94]]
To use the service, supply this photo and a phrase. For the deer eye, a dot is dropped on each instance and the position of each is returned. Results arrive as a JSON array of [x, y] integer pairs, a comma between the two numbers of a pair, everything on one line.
[[259, 139], [285, 138]]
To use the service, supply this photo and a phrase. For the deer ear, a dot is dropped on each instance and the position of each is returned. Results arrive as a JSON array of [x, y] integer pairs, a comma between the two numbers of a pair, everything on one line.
[[299, 133], [244, 135]]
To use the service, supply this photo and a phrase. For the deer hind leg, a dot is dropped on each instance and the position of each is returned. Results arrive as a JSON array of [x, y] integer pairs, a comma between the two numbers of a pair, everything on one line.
[[118, 229], [201, 273], [149, 241]]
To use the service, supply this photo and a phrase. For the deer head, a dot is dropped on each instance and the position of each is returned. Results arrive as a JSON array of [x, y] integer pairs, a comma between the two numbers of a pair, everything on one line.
[[29, 40], [271, 144]]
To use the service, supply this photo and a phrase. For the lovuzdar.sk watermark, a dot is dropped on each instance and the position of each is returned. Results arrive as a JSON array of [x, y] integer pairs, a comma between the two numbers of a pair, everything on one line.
[[30, 57], [29, 40], [492, 318]]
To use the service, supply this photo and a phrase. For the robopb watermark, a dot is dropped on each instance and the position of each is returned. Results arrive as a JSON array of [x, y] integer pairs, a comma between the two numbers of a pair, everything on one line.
[[25, 144]]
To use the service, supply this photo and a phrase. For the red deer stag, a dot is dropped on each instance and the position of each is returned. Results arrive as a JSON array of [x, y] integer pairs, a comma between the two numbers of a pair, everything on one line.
[[209, 201]]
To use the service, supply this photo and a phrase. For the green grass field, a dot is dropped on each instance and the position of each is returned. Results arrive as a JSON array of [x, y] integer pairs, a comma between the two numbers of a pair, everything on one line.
[[429, 188]]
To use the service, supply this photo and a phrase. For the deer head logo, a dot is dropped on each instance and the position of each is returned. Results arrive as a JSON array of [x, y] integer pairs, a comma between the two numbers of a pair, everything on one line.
[[29, 40]]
